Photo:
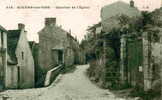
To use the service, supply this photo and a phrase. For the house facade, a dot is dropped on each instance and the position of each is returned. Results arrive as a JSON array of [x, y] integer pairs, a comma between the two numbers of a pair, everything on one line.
[[3, 56], [20, 60], [55, 46], [79, 56], [110, 13]]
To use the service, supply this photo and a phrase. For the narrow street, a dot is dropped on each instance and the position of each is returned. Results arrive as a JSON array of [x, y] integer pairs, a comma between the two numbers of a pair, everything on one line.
[[70, 86]]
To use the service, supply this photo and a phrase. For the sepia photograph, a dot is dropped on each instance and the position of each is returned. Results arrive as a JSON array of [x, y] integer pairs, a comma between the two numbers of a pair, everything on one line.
[[81, 50]]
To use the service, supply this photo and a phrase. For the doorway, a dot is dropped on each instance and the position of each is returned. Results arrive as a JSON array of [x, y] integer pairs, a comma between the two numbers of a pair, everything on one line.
[[18, 76], [57, 56], [60, 56]]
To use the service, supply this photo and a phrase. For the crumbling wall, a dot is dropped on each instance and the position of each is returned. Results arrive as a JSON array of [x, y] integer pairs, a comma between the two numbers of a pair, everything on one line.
[[104, 67], [152, 65]]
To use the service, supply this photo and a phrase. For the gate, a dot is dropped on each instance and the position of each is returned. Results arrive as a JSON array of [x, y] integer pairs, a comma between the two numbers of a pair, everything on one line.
[[134, 60]]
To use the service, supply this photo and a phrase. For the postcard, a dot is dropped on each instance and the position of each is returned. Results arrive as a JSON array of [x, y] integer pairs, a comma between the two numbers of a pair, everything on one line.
[[81, 50]]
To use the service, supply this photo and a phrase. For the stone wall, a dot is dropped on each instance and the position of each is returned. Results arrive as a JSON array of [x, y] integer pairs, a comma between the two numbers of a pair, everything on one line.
[[82, 57], [3, 58], [152, 65], [54, 37], [52, 74], [12, 79], [147, 73], [50, 37], [122, 59], [25, 62], [69, 57], [45, 53]]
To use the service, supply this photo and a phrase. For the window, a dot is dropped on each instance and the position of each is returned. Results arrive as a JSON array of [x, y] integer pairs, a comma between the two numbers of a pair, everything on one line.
[[22, 55]]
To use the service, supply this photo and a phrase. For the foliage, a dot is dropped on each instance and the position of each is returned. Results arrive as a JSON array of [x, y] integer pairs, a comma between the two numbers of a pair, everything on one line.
[[130, 24], [151, 24], [148, 22], [149, 95]]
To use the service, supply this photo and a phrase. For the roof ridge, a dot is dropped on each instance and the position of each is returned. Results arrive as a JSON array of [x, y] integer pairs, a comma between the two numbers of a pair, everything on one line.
[[119, 1], [2, 28]]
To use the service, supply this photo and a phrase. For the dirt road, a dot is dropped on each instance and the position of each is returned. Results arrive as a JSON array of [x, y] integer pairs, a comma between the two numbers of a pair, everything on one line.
[[71, 86]]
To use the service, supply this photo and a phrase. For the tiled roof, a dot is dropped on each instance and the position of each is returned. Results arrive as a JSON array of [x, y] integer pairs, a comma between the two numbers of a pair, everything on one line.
[[2, 28], [12, 41]]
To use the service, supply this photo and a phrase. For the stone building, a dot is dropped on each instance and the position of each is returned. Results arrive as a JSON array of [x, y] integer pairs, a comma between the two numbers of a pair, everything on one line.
[[78, 52], [109, 20], [3, 56], [56, 46], [109, 13], [152, 56], [35, 49], [20, 60], [95, 29]]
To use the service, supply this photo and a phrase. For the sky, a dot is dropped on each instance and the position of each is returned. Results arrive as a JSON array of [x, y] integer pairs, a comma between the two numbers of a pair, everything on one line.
[[77, 20]]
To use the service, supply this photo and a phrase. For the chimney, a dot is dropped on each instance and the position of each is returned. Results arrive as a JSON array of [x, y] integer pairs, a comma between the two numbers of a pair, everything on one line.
[[21, 26], [76, 38], [131, 3], [70, 31], [50, 21]]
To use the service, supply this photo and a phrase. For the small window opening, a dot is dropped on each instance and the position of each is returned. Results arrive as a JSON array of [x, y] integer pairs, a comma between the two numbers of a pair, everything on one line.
[[22, 54]]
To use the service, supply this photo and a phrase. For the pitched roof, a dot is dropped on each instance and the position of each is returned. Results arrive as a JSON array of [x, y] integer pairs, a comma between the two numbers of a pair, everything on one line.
[[94, 26], [118, 8], [55, 34], [2, 28], [12, 41], [31, 44]]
